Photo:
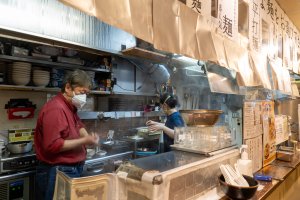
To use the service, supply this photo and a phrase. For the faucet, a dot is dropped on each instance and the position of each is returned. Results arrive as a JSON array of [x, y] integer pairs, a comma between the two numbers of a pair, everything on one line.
[[100, 115]]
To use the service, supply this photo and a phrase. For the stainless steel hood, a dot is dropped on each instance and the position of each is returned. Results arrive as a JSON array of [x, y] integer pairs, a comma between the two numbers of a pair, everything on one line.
[[54, 23], [221, 79]]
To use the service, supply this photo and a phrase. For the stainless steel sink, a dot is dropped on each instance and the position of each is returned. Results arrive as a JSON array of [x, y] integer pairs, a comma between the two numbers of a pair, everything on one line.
[[112, 144]]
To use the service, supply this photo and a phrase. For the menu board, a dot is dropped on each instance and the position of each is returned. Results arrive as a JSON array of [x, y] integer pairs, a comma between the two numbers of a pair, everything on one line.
[[255, 152], [281, 128], [269, 134], [252, 122], [259, 120]]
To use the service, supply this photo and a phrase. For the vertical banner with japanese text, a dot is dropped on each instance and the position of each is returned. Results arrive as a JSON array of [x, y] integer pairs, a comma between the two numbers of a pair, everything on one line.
[[254, 26], [228, 18]]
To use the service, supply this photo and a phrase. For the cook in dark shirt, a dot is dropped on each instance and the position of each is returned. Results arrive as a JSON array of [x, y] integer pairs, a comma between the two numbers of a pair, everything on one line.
[[168, 104]]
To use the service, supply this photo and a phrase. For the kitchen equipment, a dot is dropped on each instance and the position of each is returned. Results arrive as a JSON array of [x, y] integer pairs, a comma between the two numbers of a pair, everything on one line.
[[200, 117], [105, 164], [115, 144], [19, 147], [284, 155], [144, 151], [10, 163], [75, 61], [101, 152], [41, 56], [48, 50], [236, 192], [145, 133], [135, 137], [90, 153], [18, 51], [17, 175], [20, 135], [203, 140], [18, 185]]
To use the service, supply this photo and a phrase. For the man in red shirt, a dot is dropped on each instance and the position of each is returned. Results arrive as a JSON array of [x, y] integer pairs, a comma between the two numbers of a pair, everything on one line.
[[60, 136]]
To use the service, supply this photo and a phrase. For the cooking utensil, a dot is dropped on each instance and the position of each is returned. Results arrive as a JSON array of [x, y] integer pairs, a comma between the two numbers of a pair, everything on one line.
[[238, 178], [19, 147], [200, 117]]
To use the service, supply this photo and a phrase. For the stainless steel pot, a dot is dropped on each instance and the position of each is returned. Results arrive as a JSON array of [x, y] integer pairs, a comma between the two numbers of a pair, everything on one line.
[[19, 147]]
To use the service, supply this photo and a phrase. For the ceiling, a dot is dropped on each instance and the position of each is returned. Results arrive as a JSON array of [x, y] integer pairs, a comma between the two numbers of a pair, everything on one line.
[[292, 9]]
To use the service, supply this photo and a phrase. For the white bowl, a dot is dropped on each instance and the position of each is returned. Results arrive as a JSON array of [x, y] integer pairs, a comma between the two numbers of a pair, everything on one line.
[[20, 81], [20, 73], [40, 76], [40, 82]]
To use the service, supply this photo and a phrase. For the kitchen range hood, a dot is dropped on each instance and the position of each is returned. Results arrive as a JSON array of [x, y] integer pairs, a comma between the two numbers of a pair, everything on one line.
[[220, 79]]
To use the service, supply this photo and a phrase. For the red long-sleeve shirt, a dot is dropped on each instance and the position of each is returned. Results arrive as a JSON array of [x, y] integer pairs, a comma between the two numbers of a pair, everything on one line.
[[58, 121]]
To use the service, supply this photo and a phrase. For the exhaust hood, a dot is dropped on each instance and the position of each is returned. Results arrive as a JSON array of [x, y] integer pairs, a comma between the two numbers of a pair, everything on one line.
[[221, 79]]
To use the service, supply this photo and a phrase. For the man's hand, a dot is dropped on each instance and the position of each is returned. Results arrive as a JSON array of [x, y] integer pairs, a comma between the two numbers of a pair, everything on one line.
[[92, 139]]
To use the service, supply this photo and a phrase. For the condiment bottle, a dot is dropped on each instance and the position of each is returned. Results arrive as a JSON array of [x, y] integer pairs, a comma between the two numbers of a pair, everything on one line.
[[244, 164]]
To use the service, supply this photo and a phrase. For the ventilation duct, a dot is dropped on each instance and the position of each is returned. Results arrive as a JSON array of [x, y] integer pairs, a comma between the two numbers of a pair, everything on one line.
[[53, 23]]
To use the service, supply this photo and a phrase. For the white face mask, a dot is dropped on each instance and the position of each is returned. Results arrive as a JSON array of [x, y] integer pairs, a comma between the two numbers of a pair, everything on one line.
[[79, 100]]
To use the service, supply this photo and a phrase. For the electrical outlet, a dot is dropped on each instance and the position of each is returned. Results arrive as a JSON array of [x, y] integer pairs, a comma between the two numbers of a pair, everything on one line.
[[235, 115]]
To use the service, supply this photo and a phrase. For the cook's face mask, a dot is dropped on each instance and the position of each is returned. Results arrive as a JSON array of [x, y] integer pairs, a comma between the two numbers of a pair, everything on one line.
[[79, 100]]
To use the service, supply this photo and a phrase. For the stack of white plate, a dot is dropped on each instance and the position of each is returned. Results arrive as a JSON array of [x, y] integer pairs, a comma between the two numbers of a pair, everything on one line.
[[20, 73], [41, 78]]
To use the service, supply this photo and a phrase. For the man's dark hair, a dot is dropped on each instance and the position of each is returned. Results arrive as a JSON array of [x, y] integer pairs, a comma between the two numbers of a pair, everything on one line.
[[77, 78], [168, 99]]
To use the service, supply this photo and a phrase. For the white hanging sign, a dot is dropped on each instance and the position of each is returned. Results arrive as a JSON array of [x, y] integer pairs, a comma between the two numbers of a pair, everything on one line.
[[202, 7], [254, 25], [228, 18]]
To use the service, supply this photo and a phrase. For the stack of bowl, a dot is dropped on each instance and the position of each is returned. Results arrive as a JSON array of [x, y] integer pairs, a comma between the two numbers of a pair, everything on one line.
[[41, 78], [20, 73]]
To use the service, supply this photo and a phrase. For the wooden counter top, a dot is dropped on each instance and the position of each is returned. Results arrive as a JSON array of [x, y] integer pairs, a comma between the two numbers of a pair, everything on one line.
[[279, 170]]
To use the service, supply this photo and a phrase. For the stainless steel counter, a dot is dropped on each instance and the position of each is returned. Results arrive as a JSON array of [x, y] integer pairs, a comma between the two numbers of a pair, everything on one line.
[[110, 154], [166, 161]]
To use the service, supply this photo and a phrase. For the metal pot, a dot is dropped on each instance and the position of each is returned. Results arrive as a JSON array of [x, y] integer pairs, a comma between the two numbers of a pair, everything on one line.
[[200, 117], [19, 147]]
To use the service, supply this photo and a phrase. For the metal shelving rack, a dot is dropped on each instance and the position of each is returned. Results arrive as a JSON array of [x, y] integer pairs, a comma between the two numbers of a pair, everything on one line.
[[48, 64]]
